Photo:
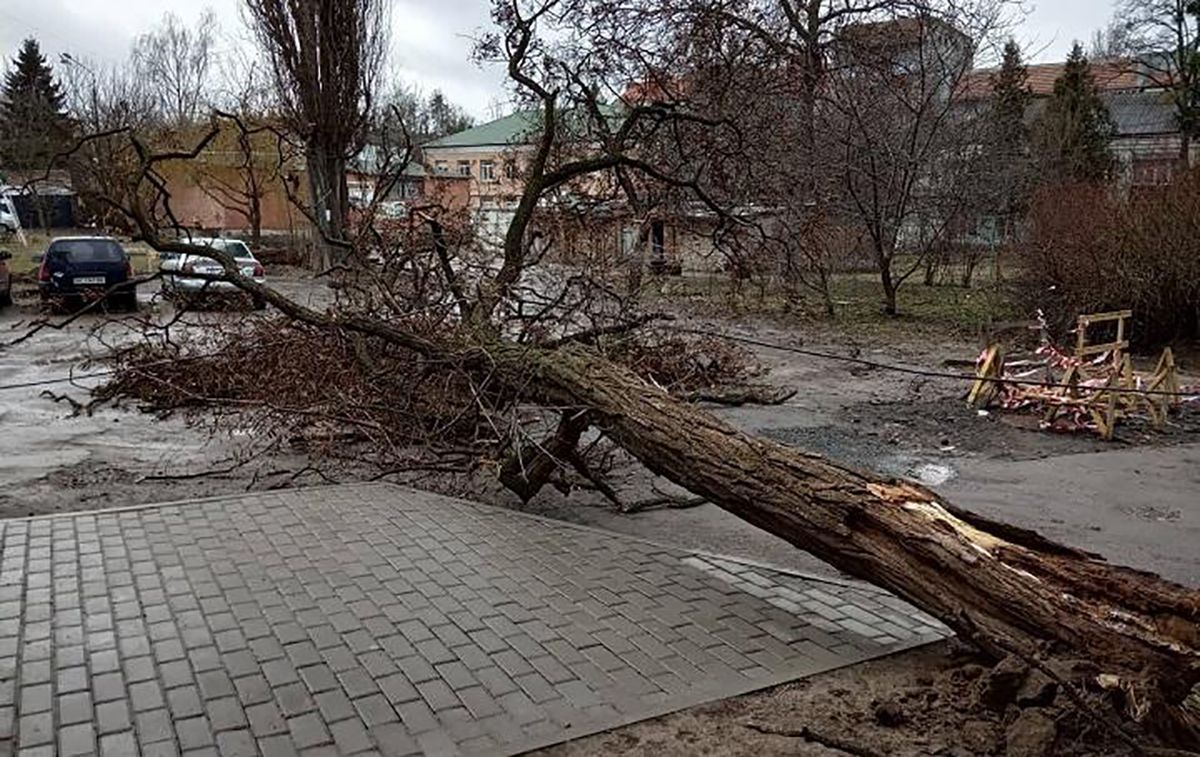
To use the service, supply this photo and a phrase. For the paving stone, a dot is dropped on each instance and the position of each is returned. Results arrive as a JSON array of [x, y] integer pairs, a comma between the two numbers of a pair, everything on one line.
[[120, 744], [184, 702], [278, 746], [375, 710], [112, 717], [265, 720], [35, 729], [146, 695], [76, 740], [371, 619], [175, 673], [36, 698], [75, 708], [350, 736], [253, 689], [225, 714], [308, 730], [108, 686], [193, 733], [293, 699], [238, 743], [154, 726]]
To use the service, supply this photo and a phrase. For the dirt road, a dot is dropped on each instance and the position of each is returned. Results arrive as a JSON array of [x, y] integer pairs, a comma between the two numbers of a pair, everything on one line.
[[1134, 501]]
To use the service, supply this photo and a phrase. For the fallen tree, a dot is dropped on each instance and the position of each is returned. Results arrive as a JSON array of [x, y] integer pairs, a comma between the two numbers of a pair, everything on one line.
[[1002, 587], [1006, 589]]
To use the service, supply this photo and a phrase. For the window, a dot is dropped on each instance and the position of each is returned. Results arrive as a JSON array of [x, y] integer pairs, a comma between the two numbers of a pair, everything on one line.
[[464, 168], [510, 169], [87, 251], [487, 170], [1151, 172], [440, 166]]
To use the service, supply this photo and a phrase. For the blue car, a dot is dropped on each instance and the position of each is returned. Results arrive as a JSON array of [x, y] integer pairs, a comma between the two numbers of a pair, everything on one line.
[[76, 270]]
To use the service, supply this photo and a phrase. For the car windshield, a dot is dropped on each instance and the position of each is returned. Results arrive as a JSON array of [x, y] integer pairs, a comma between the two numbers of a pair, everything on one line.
[[237, 249], [88, 250]]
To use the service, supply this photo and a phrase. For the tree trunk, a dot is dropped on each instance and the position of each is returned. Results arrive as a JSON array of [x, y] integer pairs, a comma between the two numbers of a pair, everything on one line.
[[255, 221], [330, 204], [318, 189], [1003, 587], [889, 287], [969, 263]]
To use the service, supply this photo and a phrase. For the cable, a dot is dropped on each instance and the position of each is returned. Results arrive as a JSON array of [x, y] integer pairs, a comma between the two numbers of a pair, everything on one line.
[[735, 338], [920, 371], [51, 382], [103, 372]]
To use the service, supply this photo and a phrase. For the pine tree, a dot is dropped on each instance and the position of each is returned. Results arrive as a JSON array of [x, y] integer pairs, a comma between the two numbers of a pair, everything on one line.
[[1011, 98], [33, 122], [1012, 169], [1073, 134]]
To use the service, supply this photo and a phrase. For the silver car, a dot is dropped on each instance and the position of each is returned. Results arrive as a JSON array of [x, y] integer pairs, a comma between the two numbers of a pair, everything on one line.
[[176, 269]]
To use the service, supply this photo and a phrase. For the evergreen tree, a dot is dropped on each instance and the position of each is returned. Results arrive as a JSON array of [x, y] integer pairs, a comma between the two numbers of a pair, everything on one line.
[[445, 117], [1011, 173], [33, 121], [1073, 134], [1011, 98]]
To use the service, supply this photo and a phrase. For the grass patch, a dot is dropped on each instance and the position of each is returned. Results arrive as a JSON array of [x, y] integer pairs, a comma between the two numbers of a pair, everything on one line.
[[924, 310]]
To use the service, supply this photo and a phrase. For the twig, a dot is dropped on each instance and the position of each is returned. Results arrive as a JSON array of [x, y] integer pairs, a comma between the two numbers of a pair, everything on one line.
[[736, 396], [190, 476], [808, 734]]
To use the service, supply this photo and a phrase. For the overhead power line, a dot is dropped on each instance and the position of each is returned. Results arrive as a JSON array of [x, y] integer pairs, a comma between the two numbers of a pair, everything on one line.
[[917, 371]]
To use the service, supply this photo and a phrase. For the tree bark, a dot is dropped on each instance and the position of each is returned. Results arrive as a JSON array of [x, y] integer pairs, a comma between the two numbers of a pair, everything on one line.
[[1003, 587]]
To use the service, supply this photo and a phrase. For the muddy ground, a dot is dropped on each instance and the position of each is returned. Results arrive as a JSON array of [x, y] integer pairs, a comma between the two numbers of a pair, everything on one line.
[[923, 703], [1133, 500]]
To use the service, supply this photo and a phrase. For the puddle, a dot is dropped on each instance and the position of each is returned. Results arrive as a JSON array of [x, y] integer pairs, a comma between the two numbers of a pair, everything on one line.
[[867, 452]]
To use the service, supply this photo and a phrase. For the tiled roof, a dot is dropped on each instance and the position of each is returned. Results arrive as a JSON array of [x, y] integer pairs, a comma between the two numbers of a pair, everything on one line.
[[1110, 75], [1141, 113], [1134, 113]]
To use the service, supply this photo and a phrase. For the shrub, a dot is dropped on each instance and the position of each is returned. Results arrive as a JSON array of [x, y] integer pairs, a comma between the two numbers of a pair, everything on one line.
[[1091, 250]]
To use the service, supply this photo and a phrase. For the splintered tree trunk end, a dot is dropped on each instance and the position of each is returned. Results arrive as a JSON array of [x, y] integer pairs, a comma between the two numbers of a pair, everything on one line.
[[995, 584]]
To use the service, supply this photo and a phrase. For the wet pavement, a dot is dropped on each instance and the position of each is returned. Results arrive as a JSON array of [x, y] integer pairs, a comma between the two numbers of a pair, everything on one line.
[[373, 619]]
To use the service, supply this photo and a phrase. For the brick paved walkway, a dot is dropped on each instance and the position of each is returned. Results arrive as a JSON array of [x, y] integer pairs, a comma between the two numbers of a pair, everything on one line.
[[379, 620]]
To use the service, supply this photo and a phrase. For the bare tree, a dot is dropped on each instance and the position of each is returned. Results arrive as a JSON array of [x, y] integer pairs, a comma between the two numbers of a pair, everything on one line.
[[904, 137], [107, 103], [325, 57], [175, 64], [251, 155], [1163, 36]]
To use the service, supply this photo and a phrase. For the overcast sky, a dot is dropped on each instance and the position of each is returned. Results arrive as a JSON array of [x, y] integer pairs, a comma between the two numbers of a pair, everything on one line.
[[431, 38]]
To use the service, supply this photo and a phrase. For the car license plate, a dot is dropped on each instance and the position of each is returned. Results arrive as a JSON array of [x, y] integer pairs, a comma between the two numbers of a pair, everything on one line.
[[89, 279]]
